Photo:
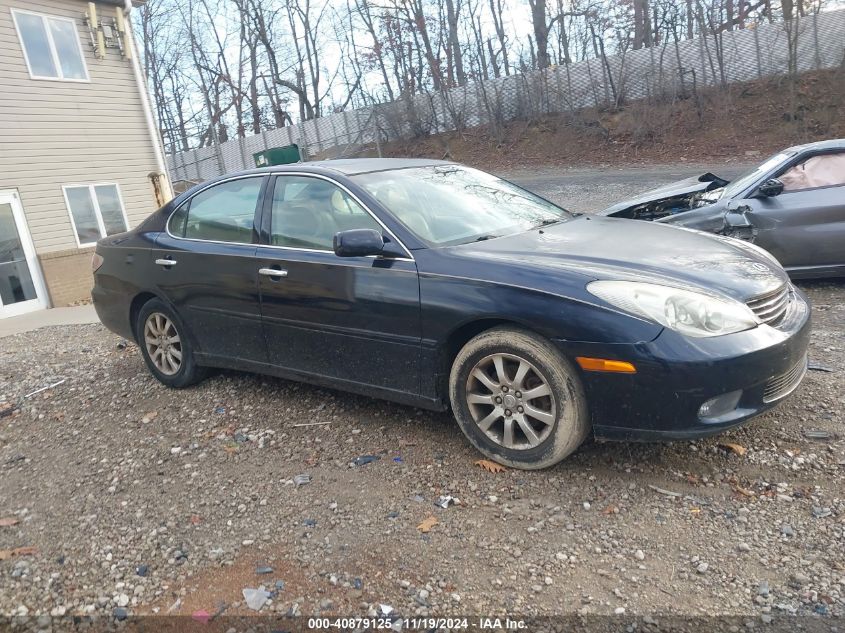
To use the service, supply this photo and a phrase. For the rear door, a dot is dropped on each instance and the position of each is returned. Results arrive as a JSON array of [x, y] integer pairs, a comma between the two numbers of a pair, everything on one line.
[[205, 266], [354, 319]]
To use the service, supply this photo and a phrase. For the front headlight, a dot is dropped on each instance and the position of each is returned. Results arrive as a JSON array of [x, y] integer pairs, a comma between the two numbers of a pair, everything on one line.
[[691, 313]]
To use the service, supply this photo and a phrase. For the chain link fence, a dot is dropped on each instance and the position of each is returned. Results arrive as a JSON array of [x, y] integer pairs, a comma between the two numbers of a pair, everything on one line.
[[811, 43]]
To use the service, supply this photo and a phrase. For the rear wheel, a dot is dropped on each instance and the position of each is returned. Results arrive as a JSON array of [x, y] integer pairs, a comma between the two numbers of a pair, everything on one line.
[[165, 346], [517, 399]]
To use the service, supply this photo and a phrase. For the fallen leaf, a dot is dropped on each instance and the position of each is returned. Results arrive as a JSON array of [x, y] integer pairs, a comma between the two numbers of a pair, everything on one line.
[[231, 449], [8, 522], [427, 524], [6, 554], [744, 491], [734, 448], [7, 408], [195, 519], [610, 510], [489, 466]]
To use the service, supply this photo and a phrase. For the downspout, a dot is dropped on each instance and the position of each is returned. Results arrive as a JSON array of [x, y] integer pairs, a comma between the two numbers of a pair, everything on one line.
[[158, 150]]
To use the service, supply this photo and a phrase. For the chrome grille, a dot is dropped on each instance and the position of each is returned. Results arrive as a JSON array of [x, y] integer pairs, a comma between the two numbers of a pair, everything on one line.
[[771, 307], [783, 385]]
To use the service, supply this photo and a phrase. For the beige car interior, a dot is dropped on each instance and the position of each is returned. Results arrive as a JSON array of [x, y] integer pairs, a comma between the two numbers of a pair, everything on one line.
[[400, 203], [312, 217]]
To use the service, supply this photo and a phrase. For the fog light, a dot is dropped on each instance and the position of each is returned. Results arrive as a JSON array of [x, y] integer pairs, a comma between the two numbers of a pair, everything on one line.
[[720, 405]]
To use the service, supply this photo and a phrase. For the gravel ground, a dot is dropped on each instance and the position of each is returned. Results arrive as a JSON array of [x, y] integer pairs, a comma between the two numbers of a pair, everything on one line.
[[138, 499]]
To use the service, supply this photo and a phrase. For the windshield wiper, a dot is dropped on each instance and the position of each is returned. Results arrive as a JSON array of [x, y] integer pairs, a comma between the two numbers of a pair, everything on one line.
[[549, 221], [482, 238]]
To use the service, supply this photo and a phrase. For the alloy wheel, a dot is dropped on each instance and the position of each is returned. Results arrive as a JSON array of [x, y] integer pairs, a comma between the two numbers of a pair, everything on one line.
[[164, 346], [511, 401]]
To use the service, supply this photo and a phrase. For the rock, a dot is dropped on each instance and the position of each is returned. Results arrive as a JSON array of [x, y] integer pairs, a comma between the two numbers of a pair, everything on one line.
[[639, 555], [619, 610], [763, 588], [787, 530], [702, 568]]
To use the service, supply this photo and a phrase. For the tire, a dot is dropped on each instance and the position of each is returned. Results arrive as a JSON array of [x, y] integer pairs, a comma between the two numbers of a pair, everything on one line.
[[177, 372], [547, 401]]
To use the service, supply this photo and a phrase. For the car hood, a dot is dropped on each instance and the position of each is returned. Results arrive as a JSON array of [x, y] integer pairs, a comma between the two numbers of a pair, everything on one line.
[[611, 248], [705, 182]]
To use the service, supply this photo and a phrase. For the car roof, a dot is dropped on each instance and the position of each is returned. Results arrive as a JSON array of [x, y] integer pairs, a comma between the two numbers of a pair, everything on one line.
[[346, 166], [351, 166], [834, 143]]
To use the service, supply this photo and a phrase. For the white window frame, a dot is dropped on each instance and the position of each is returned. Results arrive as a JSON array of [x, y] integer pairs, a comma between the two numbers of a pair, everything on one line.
[[53, 53], [98, 214]]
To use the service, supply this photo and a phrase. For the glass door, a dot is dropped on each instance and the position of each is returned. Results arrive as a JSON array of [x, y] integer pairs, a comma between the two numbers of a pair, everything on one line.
[[21, 289]]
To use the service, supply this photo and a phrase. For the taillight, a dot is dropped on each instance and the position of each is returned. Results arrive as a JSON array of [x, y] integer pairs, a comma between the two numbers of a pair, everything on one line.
[[96, 262]]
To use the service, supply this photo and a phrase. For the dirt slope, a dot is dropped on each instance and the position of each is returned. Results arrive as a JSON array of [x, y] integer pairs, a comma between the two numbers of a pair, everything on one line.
[[737, 124]]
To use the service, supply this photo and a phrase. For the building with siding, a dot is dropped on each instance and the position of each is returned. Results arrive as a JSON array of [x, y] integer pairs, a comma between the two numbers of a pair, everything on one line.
[[80, 156]]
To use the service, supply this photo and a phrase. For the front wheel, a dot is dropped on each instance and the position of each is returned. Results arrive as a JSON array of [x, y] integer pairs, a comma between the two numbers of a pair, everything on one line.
[[165, 346], [517, 399]]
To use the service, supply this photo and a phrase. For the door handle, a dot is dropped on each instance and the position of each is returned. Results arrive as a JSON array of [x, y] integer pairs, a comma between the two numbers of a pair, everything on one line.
[[272, 272], [166, 262]]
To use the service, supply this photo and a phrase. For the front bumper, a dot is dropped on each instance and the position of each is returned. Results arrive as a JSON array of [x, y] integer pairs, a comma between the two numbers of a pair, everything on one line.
[[676, 375]]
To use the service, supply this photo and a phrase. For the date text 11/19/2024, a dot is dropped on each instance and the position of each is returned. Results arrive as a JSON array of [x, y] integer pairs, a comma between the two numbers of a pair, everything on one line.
[[417, 623]]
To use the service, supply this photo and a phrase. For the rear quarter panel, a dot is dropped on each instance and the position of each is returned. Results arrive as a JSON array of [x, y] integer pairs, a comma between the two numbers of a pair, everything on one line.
[[123, 275]]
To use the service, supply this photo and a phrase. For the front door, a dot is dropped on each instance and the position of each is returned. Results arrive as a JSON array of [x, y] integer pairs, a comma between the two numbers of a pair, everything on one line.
[[21, 289], [351, 319], [802, 228]]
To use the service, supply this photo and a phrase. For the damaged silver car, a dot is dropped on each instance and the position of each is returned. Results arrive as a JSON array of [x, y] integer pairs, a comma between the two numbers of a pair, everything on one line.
[[792, 205]]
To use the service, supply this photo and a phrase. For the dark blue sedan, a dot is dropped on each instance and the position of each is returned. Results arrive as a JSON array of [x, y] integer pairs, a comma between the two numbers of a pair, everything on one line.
[[437, 285]]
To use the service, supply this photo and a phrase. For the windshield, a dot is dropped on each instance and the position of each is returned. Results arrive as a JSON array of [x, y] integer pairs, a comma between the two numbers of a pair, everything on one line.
[[744, 181], [449, 204]]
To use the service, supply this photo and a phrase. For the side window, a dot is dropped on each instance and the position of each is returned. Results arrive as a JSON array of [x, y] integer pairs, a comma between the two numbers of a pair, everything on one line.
[[307, 212], [51, 46], [95, 211], [823, 170], [221, 213]]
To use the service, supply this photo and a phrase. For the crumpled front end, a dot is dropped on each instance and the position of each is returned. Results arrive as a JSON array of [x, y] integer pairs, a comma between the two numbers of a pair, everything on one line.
[[670, 200], [716, 219]]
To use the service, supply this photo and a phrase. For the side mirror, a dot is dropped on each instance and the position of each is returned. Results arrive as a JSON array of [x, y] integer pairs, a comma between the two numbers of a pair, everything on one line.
[[770, 188], [358, 243]]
